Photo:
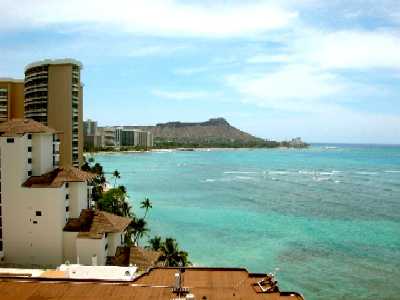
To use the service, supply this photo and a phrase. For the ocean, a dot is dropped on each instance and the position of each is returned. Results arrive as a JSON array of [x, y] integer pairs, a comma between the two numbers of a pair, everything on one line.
[[328, 217]]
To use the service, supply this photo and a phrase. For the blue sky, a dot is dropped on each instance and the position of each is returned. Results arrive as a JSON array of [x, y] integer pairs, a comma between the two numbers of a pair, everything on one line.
[[328, 71]]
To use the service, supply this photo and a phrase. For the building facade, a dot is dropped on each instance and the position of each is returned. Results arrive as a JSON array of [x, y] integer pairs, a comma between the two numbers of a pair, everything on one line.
[[40, 201], [11, 99], [53, 96], [117, 136]]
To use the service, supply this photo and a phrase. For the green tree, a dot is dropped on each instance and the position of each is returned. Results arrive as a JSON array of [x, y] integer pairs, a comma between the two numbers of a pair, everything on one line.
[[155, 243], [115, 201], [138, 229], [172, 256], [116, 176], [146, 204]]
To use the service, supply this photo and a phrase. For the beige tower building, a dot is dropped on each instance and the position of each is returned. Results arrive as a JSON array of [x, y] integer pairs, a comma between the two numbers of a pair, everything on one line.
[[11, 99], [53, 97]]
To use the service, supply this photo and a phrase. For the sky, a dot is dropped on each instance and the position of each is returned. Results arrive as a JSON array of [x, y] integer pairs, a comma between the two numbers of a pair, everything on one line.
[[327, 71]]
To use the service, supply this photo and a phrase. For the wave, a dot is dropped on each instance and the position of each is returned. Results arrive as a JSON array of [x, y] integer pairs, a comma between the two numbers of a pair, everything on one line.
[[306, 172], [278, 172], [326, 173], [239, 172], [366, 173], [210, 180], [392, 171], [321, 178], [243, 178]]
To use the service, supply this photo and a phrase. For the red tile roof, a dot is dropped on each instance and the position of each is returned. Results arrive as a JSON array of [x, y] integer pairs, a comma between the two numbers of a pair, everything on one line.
[[21, 126], [58, 177], [93, 224], [144, 258]]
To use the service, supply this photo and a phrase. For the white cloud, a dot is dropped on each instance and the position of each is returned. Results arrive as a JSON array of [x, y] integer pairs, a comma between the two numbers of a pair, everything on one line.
[[153, 50], [191, 71], [292, 88], [268, 58], [183, 95], [350, 49], [156, 17]]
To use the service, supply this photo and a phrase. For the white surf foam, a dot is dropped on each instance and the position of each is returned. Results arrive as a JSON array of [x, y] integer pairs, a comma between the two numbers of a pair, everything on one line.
[[239, 172], [366, 173]]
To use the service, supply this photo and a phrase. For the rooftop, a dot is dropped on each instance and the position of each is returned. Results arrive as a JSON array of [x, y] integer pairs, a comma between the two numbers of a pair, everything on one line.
[[63, 61], [21, 126], [158, 283], [12, 80], [57, 177], [143, 258], [93, 224]]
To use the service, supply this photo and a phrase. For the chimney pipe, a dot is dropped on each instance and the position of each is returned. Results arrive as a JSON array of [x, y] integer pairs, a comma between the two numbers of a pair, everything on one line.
[[94, 260]]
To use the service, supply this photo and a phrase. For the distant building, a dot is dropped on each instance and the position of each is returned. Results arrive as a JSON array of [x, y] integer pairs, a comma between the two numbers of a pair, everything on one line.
[[45, 209], [107, 136], [128, 137], [53, 97], [11, 99], [90, 135], [117, 136], [89, 127]]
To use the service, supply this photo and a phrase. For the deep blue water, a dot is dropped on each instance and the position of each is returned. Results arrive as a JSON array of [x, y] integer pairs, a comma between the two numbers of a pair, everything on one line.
[[328, 218]]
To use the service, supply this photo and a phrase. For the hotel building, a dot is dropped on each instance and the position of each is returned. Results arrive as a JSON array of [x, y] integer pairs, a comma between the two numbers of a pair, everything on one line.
[[53, 97], [133, 137], [11, 99], [45, 215]]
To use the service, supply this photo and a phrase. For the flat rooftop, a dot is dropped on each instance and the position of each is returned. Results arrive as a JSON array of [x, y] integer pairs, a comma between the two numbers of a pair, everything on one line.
[[158, 283]]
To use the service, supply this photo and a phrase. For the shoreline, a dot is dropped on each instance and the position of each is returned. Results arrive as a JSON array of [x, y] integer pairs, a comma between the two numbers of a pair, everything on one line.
[[187, 150]]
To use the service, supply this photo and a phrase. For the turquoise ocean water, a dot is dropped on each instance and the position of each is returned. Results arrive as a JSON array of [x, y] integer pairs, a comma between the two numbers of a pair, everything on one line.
[[328, 218]]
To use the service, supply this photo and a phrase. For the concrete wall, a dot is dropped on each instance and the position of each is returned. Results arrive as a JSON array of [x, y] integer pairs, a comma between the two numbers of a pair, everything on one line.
[[42, 154], [69, 246], [77, 198], [16, 97], [28, 237], [114, 241], [86, 248], [60, 108]]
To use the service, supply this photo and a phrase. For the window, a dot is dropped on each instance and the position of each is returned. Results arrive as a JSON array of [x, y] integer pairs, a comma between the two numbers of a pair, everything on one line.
[[29, 160], [106, 247], [67, 196], [1, 246], [38, 213], [29, 149], [67, 208], [29, 173], [10, 140], [67, 184], [29, 136], [34, 222]]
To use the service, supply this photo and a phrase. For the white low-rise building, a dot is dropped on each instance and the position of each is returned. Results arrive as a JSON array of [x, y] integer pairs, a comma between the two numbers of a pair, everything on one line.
[[93, 237], [38, 199]]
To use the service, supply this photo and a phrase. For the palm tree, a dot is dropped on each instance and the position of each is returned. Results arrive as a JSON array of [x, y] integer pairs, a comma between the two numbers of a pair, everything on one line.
[[139, 228], [155, 243], [172, 256], [146, 204], [116, 176]]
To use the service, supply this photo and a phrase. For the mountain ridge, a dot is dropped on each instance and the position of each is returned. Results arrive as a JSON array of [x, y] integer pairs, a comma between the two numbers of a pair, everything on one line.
[[215, 132]]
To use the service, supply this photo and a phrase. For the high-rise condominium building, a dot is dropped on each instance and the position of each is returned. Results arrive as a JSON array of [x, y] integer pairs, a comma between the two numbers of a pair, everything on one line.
[[53, 97], [11, 99]]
